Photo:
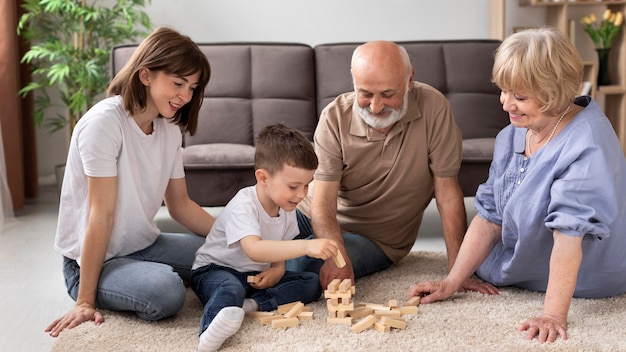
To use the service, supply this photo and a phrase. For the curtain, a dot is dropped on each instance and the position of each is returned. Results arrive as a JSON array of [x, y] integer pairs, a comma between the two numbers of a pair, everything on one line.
[[18, 167]]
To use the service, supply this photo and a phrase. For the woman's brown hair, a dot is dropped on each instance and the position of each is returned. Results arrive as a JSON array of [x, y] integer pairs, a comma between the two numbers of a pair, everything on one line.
[[173, 53]]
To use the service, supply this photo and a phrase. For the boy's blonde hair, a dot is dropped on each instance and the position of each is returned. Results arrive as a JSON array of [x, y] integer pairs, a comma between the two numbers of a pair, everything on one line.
[[542, 63], [173, 53], [278, 145]]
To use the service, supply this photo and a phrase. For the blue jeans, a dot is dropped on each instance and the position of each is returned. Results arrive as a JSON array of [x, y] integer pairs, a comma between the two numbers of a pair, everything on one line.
[[365, 255], [147, 282], [219, 287]]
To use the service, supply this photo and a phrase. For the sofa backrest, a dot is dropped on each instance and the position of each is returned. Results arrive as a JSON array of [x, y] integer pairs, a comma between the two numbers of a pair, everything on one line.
[[460, 69], [252, 85]]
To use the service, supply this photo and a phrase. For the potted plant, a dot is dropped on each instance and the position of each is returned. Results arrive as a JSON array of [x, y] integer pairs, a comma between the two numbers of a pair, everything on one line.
[[70, 44]]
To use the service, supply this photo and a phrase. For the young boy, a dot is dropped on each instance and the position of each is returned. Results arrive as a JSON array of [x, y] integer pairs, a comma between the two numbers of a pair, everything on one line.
[[253, 237]]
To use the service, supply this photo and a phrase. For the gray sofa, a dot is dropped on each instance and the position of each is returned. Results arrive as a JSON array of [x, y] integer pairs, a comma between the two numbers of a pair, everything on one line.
[[256, 84]]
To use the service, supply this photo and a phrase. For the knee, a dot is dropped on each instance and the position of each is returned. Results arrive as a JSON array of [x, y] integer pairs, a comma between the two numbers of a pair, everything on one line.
[[167, 299]]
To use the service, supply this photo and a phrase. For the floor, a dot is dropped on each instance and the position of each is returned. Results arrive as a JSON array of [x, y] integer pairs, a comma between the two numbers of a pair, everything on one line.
[[32, 292]]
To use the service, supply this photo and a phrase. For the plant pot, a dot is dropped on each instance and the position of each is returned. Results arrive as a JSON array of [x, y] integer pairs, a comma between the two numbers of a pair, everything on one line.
[[603, 67]]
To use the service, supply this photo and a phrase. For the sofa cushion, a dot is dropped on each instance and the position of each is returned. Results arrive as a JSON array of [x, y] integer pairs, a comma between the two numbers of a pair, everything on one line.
[[253, 85], [478, 149], [218, 156]]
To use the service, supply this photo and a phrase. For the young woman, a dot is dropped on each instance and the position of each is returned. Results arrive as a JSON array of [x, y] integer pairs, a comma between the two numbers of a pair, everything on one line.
[[124, 161]]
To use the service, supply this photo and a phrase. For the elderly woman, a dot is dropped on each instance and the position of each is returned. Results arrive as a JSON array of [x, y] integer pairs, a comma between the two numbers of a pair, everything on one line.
[[552, 215]]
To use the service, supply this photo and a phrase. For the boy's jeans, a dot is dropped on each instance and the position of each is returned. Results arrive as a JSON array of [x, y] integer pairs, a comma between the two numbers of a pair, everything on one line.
[[219, 287]]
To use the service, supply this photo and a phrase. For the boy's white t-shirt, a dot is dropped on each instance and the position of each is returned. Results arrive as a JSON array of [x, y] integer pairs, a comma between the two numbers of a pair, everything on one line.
[[244, 216], [107, 142]]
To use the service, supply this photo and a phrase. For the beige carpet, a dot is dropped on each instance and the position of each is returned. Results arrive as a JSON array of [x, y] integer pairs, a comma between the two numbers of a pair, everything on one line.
[[467, 322]]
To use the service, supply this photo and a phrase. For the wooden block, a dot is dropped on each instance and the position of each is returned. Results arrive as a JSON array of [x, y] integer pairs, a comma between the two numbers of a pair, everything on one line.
[[335, 307], [268, 319], [374, 306], [413, 301], [363, 324], [284, 308], [393, 303], [339, 261], [408, 309], [339, 321], [343, 314], [295, 310], [285, 322], [387, 313], [345, 285], [334, 301], [382, 328], [253, 279], [305, 316], [361, 312], [394, 323], [333, 286], [258, 314], [346, 300], [328, 294]]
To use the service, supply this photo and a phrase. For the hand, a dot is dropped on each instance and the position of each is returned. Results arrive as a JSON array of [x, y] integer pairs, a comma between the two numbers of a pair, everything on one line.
[[329, 271], [73, 318], [268, 277], [478, 285], [321, 248], [545, 327], [433, 291]]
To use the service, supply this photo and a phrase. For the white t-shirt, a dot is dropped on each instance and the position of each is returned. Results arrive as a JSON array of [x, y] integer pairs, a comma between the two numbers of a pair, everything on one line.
[[107, 142], [244, 216]]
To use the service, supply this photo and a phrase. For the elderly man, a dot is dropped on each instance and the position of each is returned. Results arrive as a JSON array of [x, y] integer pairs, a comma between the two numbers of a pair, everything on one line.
[[384, 151]]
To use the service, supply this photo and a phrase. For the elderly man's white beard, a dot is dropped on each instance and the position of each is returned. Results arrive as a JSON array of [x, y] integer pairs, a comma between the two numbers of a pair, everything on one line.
[[377, 122]]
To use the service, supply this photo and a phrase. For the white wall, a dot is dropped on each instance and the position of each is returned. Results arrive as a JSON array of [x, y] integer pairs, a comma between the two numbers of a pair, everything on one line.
[[311, 22]]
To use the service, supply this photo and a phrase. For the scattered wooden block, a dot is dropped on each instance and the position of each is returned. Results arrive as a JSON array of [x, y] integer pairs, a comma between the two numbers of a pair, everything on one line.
[[284, 308], [394, 323], [285, 322], [363, 324], [268, 319], [259, 314], [387, 313], [382, 328], [393, 303], [305, 316], [253, 279], [374, 306], [295, 310], [361, 312], [339, 321], [339, 260], [407, 309], [413, 301]]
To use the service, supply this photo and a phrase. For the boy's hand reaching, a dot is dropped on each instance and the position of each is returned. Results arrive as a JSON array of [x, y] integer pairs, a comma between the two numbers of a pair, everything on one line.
[[322, 248]]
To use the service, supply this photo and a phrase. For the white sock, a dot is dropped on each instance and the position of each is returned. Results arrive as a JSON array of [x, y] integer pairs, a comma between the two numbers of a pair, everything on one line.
[[224, 325], [250, 305]]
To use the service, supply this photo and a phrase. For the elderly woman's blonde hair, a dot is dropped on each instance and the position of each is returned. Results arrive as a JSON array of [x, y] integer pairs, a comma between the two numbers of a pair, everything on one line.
[[540, 63]]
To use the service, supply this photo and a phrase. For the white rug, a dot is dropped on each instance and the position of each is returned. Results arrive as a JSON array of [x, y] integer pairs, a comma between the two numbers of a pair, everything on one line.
[[466, 322]]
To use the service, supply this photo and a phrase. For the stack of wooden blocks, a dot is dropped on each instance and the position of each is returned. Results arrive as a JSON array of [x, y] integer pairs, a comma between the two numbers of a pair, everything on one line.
[[341, 309]]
